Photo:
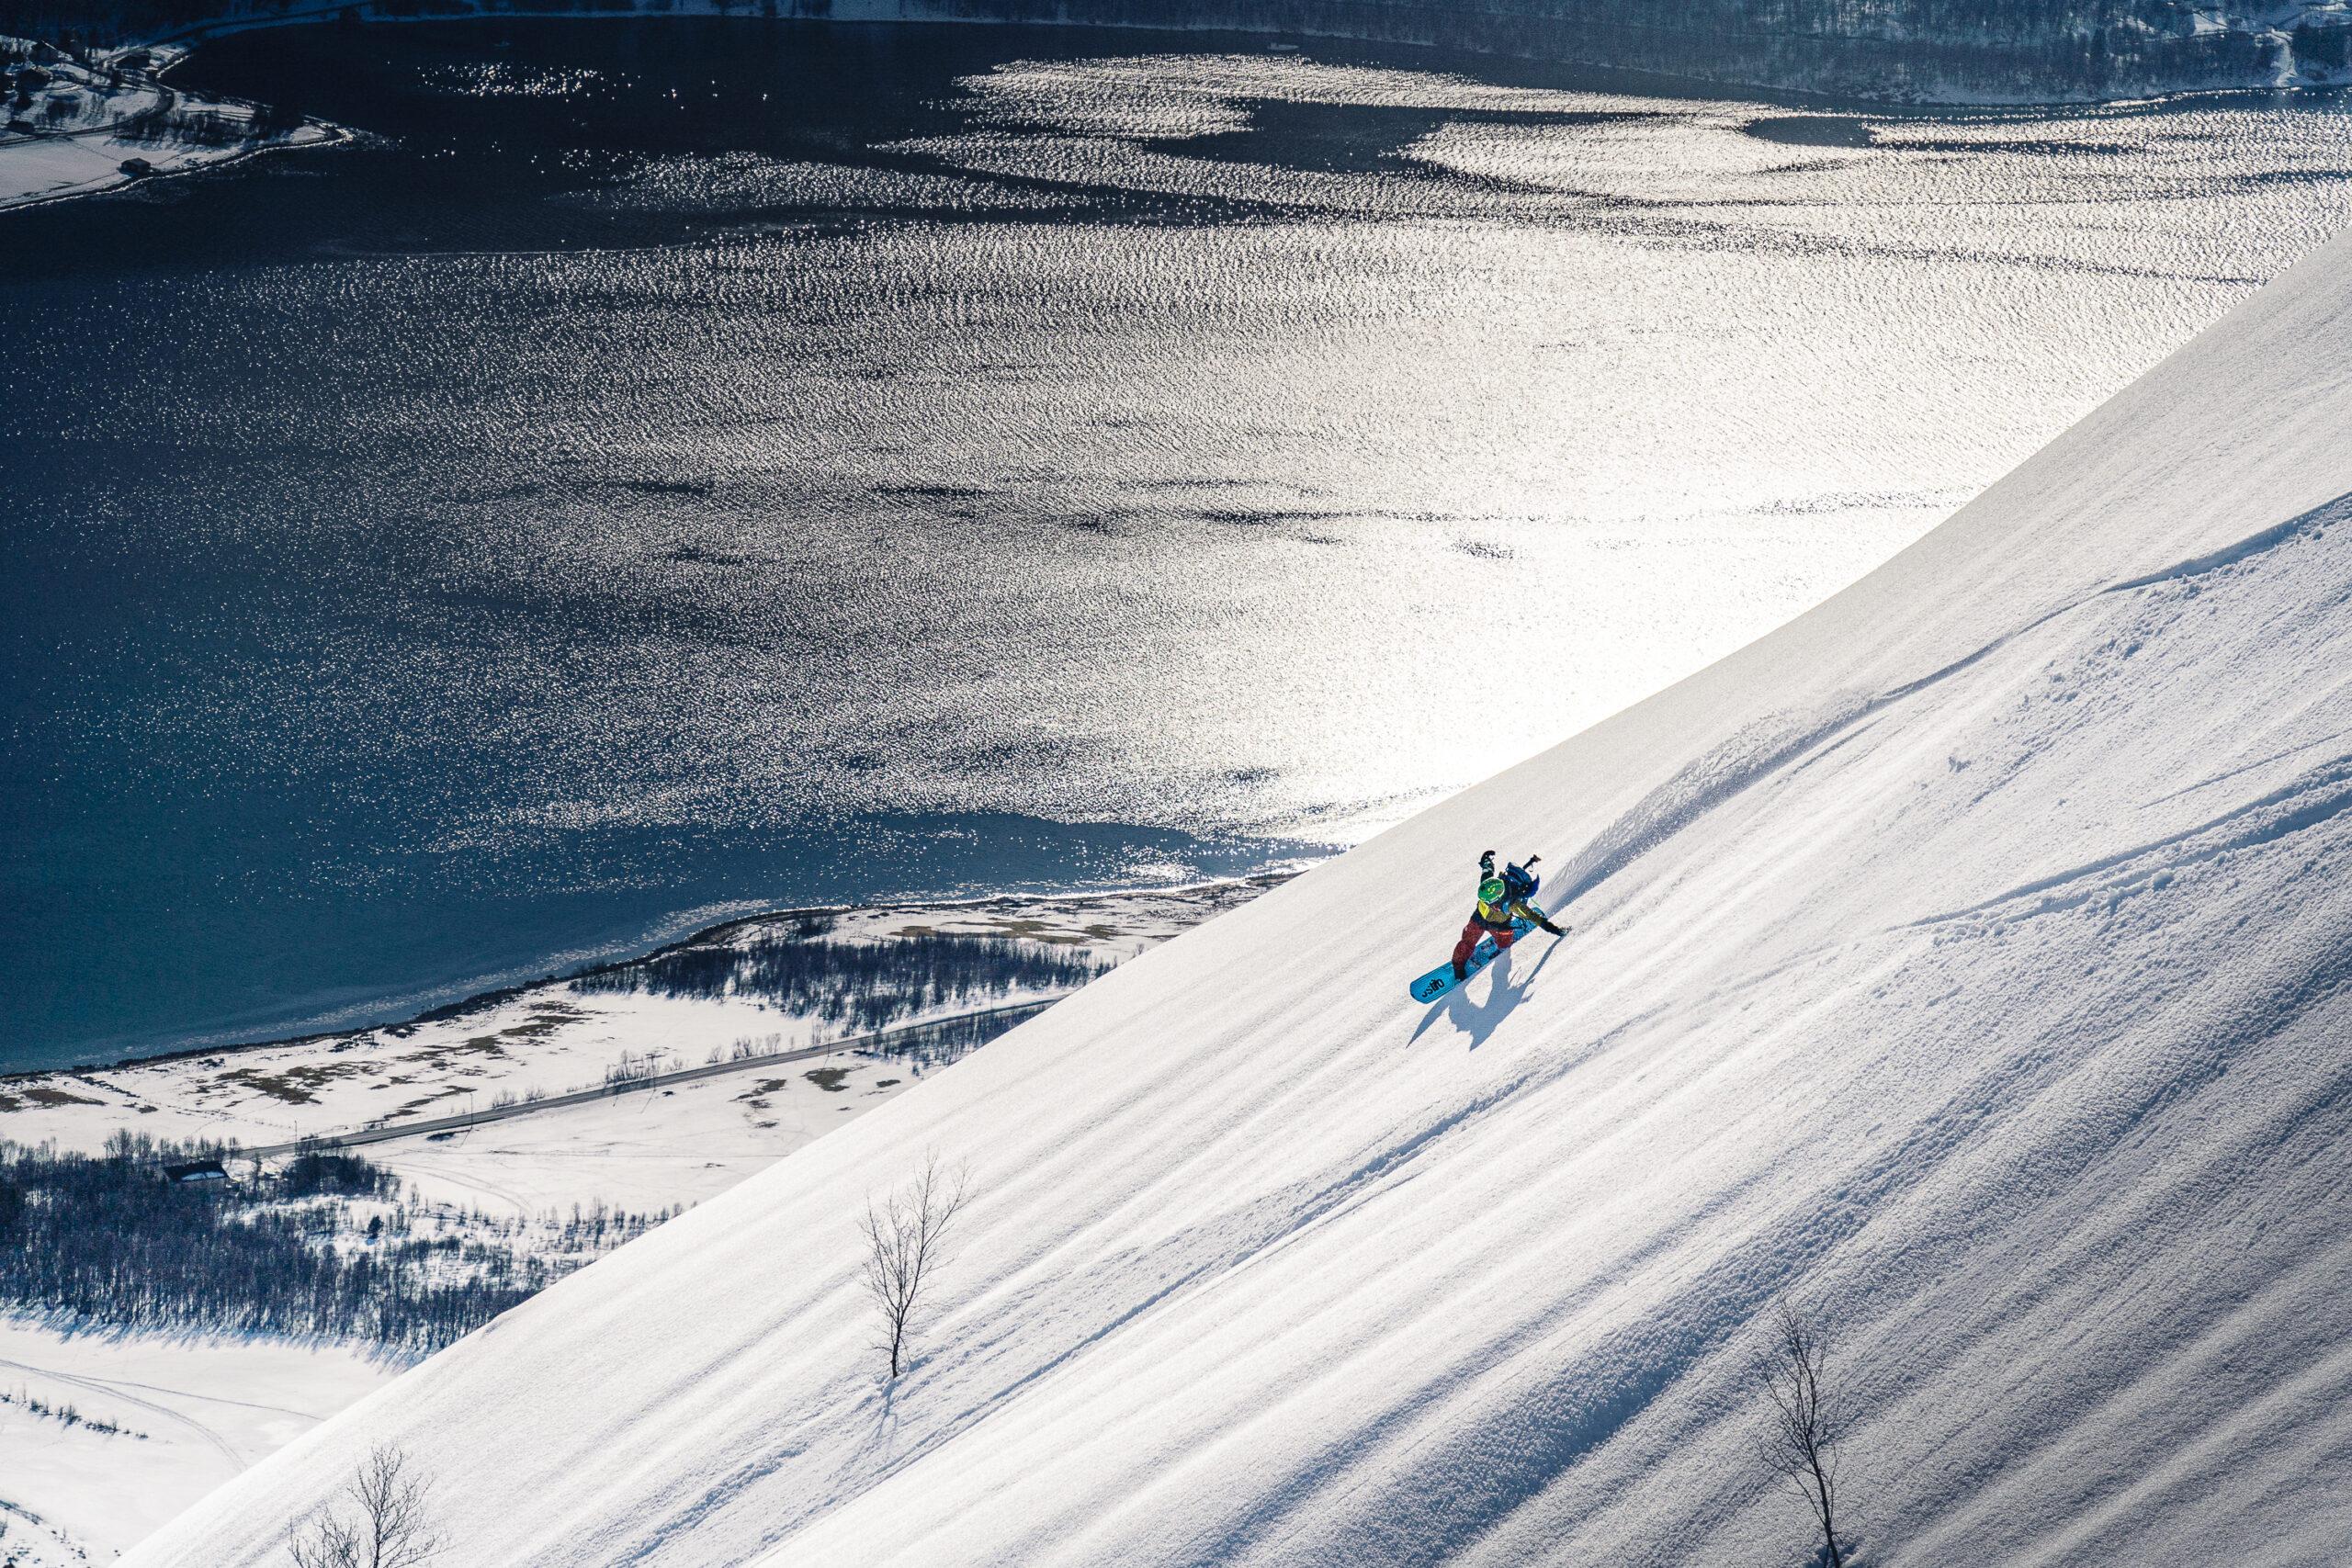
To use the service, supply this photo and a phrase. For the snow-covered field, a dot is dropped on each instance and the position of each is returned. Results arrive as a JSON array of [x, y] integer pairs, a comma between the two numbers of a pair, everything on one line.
[[193, 1409], [88, 120], [646, 1151], [1966, 961], [556, 1037], [545, 1041], [191, 1412]]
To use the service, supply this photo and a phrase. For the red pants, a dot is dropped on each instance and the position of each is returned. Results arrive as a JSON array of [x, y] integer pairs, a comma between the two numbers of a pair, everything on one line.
[[1470, 935]]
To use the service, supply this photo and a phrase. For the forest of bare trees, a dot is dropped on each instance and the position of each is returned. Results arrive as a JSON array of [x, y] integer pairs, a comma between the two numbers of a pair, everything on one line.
[[860, 985], [108, 1240]]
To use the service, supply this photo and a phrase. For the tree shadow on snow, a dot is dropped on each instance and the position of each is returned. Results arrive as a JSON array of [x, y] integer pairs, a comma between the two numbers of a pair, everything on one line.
[[1479, 1018]]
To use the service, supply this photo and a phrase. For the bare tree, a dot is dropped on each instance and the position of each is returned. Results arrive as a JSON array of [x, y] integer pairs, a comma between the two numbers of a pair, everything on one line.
[[1801, 1444], [905, 1239], [393, 1529]]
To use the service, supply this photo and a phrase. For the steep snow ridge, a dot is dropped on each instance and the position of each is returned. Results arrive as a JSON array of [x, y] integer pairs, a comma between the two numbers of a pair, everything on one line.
[[1968, 960]]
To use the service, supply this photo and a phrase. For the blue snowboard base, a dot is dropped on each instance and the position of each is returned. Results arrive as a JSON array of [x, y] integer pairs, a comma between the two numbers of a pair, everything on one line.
[[1440, 980]]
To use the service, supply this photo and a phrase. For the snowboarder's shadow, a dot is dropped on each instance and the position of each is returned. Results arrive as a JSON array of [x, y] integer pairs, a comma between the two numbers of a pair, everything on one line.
[[1478, 1020]]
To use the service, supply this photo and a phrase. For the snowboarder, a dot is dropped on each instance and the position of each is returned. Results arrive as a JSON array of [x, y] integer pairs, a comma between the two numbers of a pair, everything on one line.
[[1501, 900]]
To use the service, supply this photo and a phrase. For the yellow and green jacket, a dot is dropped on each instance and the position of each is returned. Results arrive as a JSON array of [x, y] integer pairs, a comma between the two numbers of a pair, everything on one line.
[[1496, 908]]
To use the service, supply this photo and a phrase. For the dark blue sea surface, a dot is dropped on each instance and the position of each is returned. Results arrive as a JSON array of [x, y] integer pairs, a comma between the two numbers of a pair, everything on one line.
[[662, 470]]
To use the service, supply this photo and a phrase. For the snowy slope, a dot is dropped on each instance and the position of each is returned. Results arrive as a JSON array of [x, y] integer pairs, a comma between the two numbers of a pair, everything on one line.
[[161, 1418], [1968, 958]]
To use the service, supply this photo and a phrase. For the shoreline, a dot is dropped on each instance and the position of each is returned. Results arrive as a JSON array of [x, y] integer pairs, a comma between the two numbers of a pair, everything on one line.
[[332, 136], [26, 185], [1566, 74], [493, 998], [1439, 58], [1509, 55], [132, 128]]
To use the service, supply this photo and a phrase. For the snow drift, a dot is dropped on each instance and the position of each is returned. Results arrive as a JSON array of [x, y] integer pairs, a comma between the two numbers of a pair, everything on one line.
[[1967, 961]]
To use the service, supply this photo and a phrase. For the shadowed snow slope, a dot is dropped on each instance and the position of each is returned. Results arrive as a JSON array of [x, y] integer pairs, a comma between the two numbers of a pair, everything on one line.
[[1969, 959]]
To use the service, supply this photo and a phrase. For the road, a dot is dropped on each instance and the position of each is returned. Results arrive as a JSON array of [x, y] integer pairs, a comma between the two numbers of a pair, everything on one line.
[[425, 1127]]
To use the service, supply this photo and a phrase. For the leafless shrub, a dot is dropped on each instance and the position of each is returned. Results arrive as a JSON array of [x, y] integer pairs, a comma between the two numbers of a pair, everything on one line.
[[389, 1526], [905, 1241], [1800, 1444]]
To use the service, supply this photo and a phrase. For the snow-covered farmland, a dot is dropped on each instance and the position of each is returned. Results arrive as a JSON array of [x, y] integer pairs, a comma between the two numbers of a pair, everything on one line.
[[645, 1151], [563, 1035], [72, 126]]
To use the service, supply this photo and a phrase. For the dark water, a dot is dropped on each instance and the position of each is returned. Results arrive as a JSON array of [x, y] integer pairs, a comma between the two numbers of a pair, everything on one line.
[[326, 696], [665, 468]]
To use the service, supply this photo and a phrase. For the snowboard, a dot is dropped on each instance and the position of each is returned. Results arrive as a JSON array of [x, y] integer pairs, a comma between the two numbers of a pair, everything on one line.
[[1440, 980]]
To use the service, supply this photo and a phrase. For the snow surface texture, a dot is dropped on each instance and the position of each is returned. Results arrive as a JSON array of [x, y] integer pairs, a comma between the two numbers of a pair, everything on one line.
[[159, 1420], [1966, 960]]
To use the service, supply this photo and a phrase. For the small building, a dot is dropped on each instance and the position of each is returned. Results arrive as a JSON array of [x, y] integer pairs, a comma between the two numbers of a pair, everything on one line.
[[202, 1173]]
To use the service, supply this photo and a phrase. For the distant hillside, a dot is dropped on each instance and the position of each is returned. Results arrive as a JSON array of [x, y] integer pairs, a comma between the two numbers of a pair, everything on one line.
[[1917, 51]]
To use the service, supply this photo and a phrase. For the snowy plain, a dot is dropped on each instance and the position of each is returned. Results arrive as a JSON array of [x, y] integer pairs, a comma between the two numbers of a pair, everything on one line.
[[189, 1411], [1965, 960], [558, 1036], [82, 127]]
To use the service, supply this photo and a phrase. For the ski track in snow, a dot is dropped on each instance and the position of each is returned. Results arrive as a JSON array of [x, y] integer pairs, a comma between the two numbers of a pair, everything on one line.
[[119, 1391], [1775, 748]]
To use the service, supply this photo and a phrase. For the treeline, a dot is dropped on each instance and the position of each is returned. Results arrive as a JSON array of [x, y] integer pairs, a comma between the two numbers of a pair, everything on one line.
[[175, 123], [866, 986], [935, 1045], [39, 85], [105, 1238]]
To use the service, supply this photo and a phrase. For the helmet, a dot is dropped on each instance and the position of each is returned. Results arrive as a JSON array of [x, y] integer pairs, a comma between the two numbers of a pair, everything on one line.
[[1523, 883], [1492, 891]]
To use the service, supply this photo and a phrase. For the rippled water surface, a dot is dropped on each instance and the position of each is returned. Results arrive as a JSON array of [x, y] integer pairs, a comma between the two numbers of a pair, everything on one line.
[[667, 468]]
